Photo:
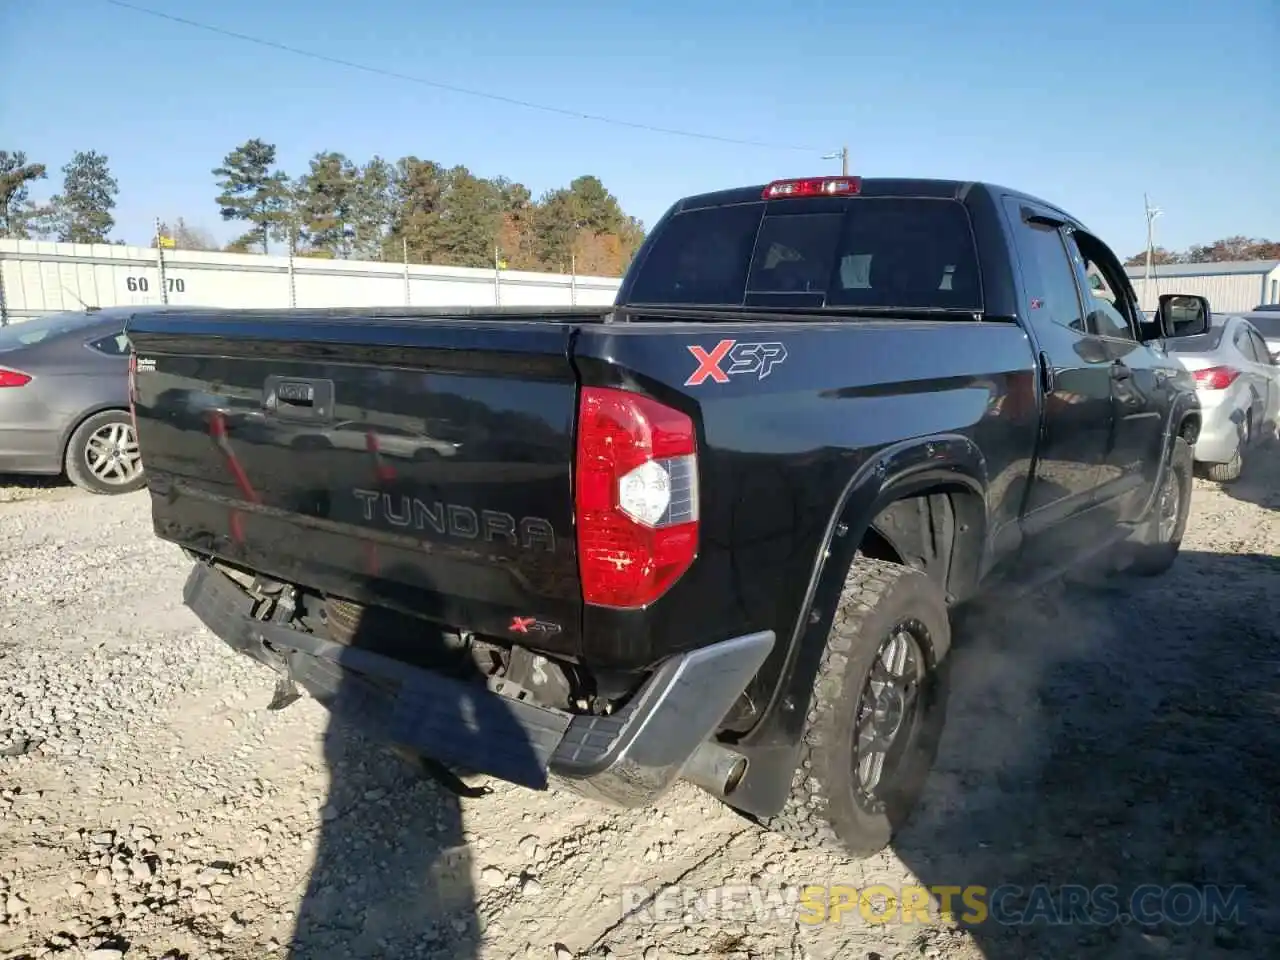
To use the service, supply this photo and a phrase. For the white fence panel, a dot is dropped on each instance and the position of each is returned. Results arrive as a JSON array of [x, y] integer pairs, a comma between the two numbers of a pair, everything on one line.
[[37, 278]]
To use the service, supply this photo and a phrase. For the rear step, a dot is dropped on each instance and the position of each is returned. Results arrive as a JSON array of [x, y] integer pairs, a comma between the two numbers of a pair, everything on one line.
[[627, 758]]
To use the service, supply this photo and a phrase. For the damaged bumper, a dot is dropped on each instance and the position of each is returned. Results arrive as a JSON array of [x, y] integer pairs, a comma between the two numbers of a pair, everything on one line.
[[626, 759]]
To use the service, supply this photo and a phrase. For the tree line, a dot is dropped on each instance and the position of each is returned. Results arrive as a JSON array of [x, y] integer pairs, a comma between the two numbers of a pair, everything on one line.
[[1220, 251], [81, 213], [381, 210], [338, 208], [420, 210]]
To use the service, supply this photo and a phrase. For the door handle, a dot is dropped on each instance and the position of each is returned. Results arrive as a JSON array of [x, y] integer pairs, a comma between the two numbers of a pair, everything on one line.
[[1120, 371], [296, 398]]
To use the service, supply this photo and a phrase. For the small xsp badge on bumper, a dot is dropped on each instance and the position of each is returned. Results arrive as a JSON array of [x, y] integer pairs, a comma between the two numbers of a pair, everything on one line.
[[627, 758]]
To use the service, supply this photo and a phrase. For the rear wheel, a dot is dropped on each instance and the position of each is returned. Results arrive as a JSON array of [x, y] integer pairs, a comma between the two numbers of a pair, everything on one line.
[[102, 455], [876, 716]]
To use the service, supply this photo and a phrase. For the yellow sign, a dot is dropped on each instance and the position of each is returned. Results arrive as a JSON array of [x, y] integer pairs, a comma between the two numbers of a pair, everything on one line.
[[167, 242]]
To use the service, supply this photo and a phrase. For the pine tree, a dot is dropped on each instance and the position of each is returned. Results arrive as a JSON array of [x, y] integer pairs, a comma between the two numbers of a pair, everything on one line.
[[253, 192]]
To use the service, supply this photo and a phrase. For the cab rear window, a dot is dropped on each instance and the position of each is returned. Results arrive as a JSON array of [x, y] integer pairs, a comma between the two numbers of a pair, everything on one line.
[[877, 253]]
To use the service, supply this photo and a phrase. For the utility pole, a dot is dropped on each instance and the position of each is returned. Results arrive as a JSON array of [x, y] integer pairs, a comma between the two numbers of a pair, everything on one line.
[[843, 156], [1151, 213]]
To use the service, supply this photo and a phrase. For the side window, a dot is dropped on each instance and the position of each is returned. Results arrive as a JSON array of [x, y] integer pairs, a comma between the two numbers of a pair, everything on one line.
[[1107, 303], [1260, 349], [1050, 279], [115, 344], [1244, 344]]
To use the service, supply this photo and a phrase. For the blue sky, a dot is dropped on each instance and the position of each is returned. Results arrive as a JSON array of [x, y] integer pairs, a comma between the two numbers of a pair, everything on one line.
[[1087, 103]]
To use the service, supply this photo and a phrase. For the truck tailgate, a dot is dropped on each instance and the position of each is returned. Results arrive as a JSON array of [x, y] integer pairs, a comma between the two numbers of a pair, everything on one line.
[[419, 464]]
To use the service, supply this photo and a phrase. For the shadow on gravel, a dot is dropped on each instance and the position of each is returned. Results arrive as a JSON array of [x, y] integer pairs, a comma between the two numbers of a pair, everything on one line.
[[21, 486], [392, 877], [1259, 484], [1112, 752]]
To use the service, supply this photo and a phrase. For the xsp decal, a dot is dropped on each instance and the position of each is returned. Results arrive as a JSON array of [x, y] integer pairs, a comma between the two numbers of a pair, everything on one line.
[[743, 358], [532, 625]]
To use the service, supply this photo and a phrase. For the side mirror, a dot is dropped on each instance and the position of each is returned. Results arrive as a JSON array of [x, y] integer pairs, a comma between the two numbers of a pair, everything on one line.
[[1183, 315]]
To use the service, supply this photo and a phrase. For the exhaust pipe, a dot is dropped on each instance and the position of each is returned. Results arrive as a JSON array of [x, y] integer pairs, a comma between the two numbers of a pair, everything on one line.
[[715, 768]]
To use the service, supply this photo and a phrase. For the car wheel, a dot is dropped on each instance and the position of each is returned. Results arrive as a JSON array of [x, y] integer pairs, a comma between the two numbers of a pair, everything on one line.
[[1233, 468], [102, 455], [1163, 534], [876, 715]]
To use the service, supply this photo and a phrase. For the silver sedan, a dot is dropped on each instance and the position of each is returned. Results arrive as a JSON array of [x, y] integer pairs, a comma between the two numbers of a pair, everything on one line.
[[1238, 383], [64, 400]]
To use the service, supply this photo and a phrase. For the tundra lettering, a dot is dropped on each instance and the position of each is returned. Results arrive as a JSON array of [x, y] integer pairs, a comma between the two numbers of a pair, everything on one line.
[[459, 521]]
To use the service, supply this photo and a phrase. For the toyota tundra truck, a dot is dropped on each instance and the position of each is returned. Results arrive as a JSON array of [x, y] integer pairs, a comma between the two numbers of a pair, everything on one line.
[[716, 532]]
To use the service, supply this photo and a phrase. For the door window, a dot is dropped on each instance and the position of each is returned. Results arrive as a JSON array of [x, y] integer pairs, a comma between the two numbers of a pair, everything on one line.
[[1051, 283], [1108, 307]]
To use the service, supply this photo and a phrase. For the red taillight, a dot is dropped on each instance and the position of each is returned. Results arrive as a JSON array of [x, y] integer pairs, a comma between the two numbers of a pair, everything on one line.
[[636, 497], [13, 378], [1215, 378], [813, 187]]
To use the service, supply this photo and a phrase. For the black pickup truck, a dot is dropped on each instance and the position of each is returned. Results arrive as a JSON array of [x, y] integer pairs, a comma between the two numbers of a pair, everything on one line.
[[715, 532]]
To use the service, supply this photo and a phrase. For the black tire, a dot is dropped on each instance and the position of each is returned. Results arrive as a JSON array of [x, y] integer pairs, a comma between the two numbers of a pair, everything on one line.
[[827, 808], [107, 430], [1159, 547], [1226, 472], [1230, 471]]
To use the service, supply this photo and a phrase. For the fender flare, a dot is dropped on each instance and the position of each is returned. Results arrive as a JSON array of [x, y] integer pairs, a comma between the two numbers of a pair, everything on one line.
[[1182, 410], [897, 471], [1186, 408]]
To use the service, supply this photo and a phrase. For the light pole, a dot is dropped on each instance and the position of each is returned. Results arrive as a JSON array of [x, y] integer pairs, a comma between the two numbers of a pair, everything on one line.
[[843, 156], [1152, 213]]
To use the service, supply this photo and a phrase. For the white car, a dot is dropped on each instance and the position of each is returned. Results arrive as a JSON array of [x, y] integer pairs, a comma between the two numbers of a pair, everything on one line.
[[1238, 382]]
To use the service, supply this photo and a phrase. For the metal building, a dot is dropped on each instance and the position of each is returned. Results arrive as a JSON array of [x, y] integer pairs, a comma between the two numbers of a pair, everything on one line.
[[1232, 286]]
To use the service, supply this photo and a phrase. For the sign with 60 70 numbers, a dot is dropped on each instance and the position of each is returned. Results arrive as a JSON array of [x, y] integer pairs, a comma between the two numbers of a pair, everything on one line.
[[146, 285]]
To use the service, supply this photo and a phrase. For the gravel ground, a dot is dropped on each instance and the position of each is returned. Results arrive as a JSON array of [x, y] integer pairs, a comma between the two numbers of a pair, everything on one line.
[[151, 807]]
